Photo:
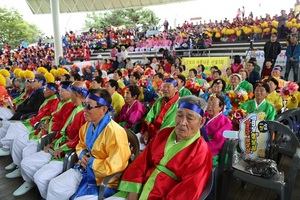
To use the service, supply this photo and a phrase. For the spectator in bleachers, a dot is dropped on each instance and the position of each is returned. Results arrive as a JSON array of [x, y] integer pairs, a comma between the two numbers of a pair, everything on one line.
[[259, 103], [97, 82], [117, 103], [273, 97], [237, 64], [134, 78], [162, 113], [110, 156], [181, 80], [218, 87], [244, 83], [266, 72], [216, 123], [253, 76], [132, 111], [200, 72], [281, 24]]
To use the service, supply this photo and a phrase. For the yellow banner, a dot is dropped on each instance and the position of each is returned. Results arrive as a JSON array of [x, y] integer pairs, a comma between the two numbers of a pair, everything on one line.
[[221, 62]]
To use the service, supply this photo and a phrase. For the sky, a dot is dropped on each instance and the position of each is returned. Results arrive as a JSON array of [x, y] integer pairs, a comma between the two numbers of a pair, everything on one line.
[[176, 13]]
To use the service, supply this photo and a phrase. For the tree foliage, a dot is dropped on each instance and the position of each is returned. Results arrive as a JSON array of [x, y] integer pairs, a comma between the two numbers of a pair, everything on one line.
[[14, 29], [130, 18]]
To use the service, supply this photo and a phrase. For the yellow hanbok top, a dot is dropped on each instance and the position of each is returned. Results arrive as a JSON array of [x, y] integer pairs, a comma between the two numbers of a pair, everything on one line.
[[275, 99]]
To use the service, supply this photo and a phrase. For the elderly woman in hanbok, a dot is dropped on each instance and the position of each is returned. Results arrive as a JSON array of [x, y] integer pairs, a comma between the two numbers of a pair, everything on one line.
[[244, 83], [235, 80], [259, 103], [233, 89], [132, 111], [216, 124]]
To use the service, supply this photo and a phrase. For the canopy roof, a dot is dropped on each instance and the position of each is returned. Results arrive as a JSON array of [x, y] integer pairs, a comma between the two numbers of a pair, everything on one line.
[[69, 6]]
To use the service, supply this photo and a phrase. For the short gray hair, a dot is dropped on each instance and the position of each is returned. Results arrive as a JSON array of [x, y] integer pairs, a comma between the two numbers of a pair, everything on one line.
[[194, 100]]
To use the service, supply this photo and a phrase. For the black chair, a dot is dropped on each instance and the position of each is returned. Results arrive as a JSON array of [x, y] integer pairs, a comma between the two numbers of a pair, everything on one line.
[[283, 142], [70, 157], [45, 140], [28, 115], [135, 151], [285, 118], [295, 115], [208, 188]]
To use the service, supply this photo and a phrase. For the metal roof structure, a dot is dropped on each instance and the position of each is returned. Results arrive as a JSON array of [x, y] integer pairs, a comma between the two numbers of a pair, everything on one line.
[[69, 6]]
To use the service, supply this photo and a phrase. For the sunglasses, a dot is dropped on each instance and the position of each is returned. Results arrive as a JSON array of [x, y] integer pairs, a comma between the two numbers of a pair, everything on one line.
[[30, 80], [89, 107]]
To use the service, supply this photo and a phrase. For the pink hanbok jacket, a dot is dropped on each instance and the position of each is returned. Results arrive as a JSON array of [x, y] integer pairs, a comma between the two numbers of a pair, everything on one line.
[[214, 130]]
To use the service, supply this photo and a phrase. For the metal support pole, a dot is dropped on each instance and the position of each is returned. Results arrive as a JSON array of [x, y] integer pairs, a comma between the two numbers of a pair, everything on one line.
[[57, 36]]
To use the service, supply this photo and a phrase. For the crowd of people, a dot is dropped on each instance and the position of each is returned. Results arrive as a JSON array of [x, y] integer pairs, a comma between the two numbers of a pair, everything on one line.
[[183, 114]]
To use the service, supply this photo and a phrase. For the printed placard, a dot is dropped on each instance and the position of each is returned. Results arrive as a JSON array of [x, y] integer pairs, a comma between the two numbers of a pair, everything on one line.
[[253, 135]]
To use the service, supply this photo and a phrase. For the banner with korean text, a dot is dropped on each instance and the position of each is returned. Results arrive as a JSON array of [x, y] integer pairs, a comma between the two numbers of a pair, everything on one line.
[[221, 62]]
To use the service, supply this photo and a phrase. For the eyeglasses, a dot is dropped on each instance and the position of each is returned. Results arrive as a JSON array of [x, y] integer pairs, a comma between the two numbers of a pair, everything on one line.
[[89, 107]]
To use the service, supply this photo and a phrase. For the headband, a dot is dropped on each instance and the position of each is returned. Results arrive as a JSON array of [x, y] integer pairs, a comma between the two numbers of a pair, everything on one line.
[[66, 87], [171, 81], [100, 101], [51, 87], [277, 68], [192, 107], [81, 90]]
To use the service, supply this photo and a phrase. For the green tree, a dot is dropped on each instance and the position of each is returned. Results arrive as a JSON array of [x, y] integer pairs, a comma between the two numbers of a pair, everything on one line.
[[14, 30], [130, 18]]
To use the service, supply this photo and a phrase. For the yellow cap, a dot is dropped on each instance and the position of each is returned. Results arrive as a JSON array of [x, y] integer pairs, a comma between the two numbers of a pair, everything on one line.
[[2, 80], [49, 77], [17, 71], [42, 70], [5, 73], [28, 74], [62, 71]]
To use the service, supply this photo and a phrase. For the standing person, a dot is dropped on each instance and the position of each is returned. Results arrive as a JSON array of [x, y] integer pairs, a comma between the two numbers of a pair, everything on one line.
[[166, 25], [272, 49], [292, 58], [281, 24]]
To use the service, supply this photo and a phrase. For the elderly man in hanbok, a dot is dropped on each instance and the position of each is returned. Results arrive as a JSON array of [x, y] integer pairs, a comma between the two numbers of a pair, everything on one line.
[[259, 103], [176, 164], [45, 165], [218, 87], [27, 137], [216, 124], [102, 150], [9, 130], [162, 113], [133, 111], [24, 146]]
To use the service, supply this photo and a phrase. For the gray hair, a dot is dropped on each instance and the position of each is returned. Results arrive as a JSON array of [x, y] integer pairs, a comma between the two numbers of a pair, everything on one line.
[[194, 100]]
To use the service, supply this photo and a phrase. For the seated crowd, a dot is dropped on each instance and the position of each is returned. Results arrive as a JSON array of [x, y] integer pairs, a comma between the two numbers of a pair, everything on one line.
[[90, 114], [178, 114]]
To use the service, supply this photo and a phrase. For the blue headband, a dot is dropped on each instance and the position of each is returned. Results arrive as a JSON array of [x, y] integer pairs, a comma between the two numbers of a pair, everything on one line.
[[277, 68], [66, 87], [51, 87], [81, 90], [192, 107], [100, 101], [171, 81]]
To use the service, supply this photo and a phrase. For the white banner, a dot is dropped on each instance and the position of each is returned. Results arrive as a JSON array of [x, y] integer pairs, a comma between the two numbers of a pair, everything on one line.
[[260, 57]]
